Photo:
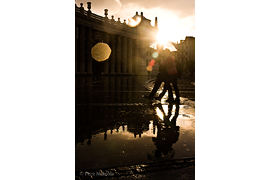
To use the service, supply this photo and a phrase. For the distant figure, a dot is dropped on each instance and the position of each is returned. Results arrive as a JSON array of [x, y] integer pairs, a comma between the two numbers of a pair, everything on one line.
[[105, 134]]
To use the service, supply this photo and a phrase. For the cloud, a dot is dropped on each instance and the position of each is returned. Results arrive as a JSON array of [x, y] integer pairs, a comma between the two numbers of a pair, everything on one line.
[[176, 15], [185, 7], [182, 8]]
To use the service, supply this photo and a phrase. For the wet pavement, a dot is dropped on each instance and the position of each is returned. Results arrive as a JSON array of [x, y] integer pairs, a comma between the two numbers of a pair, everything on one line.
[[117, 129]]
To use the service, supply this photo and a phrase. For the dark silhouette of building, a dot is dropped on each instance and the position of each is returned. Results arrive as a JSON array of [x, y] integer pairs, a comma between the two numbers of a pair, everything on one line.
[[130, 51], [186, 55]]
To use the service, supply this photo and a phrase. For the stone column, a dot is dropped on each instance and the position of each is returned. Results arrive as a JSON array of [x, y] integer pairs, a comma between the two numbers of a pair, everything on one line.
[[135, 56], [82, 90], [130, 61], [90, 89], [89, 46], [112, 88], [123, 89], [106, 62], [118, 54], [106, 87], [81, 50], [76, 48], [118, 90], [130, 94], [112, 57], [124, 55]]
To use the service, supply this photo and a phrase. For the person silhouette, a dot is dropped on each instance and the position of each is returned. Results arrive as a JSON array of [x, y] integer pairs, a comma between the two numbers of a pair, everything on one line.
[[167, 135], [173, 120], [161, 77], [105, 135], [172, 74]]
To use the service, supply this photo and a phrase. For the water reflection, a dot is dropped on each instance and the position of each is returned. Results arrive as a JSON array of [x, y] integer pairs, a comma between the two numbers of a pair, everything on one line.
[[115, 127], [103, 119], [167, 134]]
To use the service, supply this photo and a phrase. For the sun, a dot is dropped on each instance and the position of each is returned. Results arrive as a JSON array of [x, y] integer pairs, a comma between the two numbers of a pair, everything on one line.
[[163, 40], [162, 37]]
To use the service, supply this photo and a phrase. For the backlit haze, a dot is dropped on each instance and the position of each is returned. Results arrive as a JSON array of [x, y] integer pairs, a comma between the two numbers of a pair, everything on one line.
[[176, 18]]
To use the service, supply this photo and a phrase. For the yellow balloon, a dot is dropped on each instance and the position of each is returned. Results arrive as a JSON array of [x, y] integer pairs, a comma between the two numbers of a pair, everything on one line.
[[101, 52]]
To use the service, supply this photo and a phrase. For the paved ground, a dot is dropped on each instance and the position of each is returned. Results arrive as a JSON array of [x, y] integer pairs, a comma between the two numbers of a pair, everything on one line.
[[174, 169], [186, 88], [115, 96]]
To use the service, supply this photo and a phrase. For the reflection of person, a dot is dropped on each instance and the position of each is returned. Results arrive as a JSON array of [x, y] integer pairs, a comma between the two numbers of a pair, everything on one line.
[[173, 120], [167, 135], [161, 77], [105, 134], [89, 138]]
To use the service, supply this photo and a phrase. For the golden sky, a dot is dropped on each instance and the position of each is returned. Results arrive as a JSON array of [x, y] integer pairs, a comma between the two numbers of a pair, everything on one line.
[[176, 18]]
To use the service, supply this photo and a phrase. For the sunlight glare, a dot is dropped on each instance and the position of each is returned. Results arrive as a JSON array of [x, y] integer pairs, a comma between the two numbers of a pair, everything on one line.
[[159, 113], [149, 68], [155, 54], [171, 29], [132, 22], [101, 52], [162, 37]]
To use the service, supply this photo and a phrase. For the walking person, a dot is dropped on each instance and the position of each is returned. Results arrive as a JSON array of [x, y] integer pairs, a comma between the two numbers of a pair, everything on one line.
[[161, 77], [172, 75]]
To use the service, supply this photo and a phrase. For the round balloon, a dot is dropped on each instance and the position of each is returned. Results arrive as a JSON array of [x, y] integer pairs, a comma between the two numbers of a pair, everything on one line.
[[101, 52]]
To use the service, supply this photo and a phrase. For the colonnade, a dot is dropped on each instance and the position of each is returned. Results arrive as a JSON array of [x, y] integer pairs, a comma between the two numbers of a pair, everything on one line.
[[123, 52]]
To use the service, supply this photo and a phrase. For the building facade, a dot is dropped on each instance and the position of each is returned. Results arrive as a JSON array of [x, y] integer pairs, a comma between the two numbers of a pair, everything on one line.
[[130, 51], [185, 55]]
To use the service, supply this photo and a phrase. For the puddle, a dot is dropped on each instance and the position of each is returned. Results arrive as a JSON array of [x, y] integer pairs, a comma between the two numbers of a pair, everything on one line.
[[117, 128], [108, 143]]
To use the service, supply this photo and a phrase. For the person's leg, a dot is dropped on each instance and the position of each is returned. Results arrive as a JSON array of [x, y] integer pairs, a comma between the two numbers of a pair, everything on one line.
[[170, 93], [162, 93], [165, 88], [168, 81], [160, 107], [169, 88], [175, 87], [158, 82]]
